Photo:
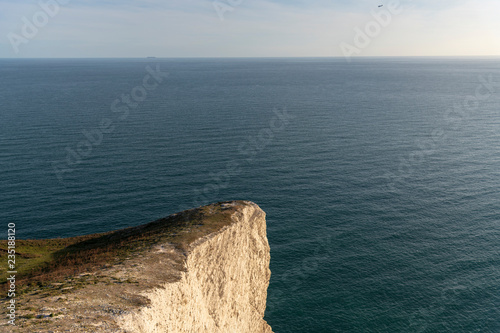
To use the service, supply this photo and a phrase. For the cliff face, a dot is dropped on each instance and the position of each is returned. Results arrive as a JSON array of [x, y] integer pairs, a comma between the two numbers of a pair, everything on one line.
[[202, 270], [224, 286]]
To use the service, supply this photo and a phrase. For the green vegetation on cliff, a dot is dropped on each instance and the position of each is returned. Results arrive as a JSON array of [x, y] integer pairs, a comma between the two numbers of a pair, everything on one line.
[[43, 262]]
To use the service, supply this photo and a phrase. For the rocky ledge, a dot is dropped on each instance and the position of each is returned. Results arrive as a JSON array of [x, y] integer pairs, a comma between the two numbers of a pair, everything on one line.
[[201, 270]]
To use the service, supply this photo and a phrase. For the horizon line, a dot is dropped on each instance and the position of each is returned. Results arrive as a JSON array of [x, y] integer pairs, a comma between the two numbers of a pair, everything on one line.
[[263, 57]]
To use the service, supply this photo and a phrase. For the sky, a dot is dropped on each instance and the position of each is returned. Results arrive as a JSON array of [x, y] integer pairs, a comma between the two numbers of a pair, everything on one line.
[[248, 28]]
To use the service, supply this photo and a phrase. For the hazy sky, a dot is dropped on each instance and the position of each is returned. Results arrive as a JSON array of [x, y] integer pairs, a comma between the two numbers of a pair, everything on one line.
[[247, 28]]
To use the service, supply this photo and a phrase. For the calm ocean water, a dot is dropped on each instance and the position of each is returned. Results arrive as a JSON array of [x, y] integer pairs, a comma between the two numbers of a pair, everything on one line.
[[380, 177]]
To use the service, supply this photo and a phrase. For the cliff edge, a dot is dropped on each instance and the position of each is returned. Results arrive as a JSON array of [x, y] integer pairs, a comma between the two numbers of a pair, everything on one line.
[[201, 270]]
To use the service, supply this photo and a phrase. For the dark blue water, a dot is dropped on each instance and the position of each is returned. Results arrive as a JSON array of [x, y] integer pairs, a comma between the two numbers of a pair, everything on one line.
[[380, 178]]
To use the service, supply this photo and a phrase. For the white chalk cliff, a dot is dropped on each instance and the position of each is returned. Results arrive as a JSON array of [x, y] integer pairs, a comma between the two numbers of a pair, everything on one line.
[[201, 270], [224, 286]]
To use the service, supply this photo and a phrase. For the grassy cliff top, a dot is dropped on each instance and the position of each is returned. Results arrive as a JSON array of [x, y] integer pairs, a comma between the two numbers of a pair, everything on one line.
[[42, 262]]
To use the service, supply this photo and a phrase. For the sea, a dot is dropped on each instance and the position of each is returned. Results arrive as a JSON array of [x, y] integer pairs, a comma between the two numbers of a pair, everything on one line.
[[380, 177]]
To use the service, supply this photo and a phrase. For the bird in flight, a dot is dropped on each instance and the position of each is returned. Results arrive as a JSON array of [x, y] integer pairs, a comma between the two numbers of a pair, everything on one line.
[[380, 6]]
